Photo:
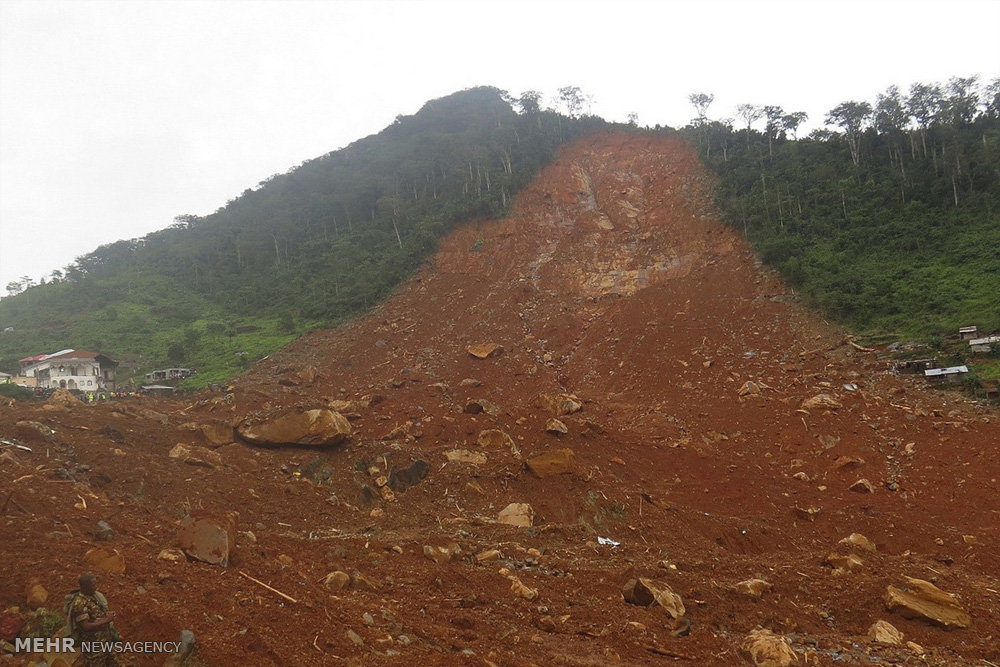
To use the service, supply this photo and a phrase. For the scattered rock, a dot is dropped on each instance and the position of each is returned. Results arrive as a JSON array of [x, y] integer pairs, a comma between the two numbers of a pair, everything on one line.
[[556, 427], [35, 594], [842, 564], [860, 541], [553, 462], [807, 513], [337, 580], [495, 439], [480, 405], [32, 431], [108, 561], [488, 556], [749, 388], [884, 632], [922, 599], [185, 649], [753, 587], [862, 486], [767, 649], [916, 648], [559, 404], [484, 350], [465, 456], [519, 589], [172, 555], [217, 433], [402, 479], [311, 427], [442, 555], [470, 382], [11, 624], [821, 402], [306, 376], [104, 532], [196, 456], [517, 514], [355, 638], [208, 538], [848, 462], [645, 592]]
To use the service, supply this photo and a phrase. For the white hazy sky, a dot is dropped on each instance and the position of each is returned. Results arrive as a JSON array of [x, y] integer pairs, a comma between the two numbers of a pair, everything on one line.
[[115, 117]]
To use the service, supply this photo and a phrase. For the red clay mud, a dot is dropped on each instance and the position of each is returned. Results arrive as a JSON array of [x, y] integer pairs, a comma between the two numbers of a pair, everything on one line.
[[613, 282]]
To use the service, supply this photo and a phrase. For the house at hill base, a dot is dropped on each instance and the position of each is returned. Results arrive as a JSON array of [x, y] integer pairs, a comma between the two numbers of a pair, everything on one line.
[[983, 344], [169, 374], [968, 333], [82, 370], [950, 375]]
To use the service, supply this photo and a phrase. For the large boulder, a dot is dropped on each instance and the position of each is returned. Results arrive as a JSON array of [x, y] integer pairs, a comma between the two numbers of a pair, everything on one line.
[[517, 514], [310, 427], [922, 599], [767, 649], [646, 592], [552, 462], [196, 456], [559, 404], [484, 350], [208, 538], [108, 561]]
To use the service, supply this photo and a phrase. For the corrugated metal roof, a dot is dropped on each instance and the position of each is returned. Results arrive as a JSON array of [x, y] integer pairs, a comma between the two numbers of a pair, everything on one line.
[[934, 372], [74, 354], [985, 341]]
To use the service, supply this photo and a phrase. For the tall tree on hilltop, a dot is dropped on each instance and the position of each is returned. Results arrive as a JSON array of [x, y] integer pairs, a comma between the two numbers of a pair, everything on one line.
[[792, 121], [573, 99], [963, 99], [774, 115], [852, 118], [750, 113], [701, 102], [890, 119], [925, 105]]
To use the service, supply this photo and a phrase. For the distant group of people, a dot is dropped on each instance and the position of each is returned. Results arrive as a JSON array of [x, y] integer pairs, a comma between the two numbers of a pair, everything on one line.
[[99, 396]]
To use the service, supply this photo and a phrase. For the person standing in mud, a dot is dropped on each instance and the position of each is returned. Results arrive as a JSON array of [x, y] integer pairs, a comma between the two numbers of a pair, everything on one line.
[[89, 620]]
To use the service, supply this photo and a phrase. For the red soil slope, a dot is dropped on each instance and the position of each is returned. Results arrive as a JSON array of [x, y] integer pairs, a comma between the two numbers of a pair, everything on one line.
[[613, 281]]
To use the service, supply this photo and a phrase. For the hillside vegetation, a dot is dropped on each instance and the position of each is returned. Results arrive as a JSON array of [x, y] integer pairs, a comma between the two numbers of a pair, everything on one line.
[[887, 222], [310, 247], [891, 224]]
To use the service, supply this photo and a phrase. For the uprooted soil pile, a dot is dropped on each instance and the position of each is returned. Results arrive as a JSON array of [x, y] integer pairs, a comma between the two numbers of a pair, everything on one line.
[[609, 368]]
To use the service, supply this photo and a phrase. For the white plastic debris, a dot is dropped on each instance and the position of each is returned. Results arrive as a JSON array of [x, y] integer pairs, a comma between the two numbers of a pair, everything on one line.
[[607, 541]]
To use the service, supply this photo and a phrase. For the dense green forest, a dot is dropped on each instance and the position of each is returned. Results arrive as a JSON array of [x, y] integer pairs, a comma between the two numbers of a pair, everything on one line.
[[306, 248], [888, 221]]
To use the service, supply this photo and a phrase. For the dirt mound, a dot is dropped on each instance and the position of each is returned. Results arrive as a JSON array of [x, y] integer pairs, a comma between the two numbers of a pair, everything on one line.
[[461, 525]]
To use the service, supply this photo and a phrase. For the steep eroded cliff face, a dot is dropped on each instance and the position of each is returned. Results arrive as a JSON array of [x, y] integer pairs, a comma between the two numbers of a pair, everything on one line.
[[637, 378]]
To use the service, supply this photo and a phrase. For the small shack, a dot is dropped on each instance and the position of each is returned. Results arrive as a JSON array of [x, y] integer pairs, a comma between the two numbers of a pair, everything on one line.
[[968, 333], [983, 344], [915, 365], [950, 375]]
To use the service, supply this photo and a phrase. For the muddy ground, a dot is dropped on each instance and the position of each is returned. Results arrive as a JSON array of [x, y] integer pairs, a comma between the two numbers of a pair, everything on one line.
[[613, 281]]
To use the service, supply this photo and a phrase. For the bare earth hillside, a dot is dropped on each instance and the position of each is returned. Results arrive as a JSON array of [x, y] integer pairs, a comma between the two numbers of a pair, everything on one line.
[[719, 433]]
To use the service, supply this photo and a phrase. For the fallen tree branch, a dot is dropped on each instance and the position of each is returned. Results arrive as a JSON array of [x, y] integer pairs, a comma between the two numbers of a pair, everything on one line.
[[261, 583]]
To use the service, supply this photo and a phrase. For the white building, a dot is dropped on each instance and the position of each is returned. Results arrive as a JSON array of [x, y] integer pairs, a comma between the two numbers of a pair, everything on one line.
[[71, 369]]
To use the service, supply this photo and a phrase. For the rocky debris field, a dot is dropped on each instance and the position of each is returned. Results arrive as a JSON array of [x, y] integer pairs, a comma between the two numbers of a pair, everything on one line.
[[595, 432]]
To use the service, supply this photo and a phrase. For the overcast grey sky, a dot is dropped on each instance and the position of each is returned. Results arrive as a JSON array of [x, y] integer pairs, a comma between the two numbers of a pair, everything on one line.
[[115, 117]]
